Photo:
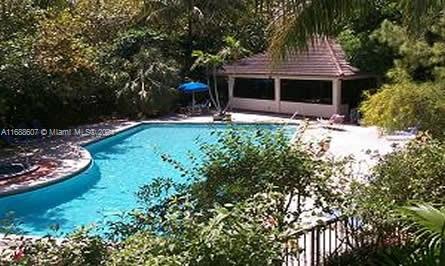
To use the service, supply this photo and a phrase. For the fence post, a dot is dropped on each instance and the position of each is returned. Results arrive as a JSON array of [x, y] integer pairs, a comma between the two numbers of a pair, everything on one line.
[[312, 247], [317, 245]]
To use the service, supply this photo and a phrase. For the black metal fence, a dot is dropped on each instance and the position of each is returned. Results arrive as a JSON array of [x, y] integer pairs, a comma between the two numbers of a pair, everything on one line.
[[333, 237]]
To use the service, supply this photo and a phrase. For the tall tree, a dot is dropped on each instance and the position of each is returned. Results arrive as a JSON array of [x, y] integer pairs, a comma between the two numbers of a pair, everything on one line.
[[231, 51], [298, 21], [192, 20]]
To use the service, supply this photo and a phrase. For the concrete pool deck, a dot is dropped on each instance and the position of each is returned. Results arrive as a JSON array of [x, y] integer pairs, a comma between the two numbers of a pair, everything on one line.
[[62, 157]]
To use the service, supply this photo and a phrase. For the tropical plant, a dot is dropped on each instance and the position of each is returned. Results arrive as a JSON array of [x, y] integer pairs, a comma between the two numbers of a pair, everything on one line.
[[240, 234], [428, 224], [147, 83], [423, 242], [231, 51], [414, 172]]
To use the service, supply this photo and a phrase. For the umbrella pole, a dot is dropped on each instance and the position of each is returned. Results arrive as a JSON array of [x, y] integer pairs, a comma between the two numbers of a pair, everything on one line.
[[193, 102]]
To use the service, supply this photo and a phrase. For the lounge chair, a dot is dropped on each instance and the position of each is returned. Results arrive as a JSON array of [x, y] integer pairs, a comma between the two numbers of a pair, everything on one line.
[[333, 122], [204, 106], [198, 108], [403, 135]]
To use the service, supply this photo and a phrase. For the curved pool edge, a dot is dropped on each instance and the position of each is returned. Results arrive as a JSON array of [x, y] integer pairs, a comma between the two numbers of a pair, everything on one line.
[[59, 175], [72, 167]]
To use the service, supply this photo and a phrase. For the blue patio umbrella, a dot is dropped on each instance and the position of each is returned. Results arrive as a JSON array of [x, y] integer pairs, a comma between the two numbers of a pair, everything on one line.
[[192, 87]]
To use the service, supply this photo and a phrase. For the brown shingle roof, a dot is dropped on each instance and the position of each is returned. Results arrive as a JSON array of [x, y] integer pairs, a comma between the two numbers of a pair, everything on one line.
[[322, 58]]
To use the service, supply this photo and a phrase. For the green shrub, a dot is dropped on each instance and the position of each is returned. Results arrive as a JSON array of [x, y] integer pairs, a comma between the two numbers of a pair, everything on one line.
[[232, 235], [412, 173], [78, 249], [406, 104], [242, 164]]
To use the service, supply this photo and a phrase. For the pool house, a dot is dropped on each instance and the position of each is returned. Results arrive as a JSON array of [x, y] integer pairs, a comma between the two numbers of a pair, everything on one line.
[[317, 82]]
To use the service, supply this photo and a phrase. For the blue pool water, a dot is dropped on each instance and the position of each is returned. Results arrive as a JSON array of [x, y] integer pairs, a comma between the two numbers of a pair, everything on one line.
[[121, 164]]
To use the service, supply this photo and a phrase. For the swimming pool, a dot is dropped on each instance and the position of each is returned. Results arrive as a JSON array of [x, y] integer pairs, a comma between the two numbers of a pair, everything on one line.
[[121, 164]]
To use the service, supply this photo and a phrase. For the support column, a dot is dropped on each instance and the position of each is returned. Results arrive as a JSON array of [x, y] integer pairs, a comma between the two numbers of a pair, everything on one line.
[[277, 87], [336, 95], [231, 85]]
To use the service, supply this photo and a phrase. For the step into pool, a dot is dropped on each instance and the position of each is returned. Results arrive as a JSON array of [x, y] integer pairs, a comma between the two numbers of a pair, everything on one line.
[[121, 165]]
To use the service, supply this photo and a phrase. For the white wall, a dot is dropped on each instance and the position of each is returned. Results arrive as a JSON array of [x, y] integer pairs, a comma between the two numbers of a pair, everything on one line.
[[254, 104], [307, 109]]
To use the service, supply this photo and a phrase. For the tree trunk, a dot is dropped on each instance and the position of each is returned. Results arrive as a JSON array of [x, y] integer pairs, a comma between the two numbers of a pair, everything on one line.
[[215, 85], [212, 99], [188, 60]]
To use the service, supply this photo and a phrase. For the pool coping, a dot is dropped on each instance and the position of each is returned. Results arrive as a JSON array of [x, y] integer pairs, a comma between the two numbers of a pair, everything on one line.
[[86, 159]]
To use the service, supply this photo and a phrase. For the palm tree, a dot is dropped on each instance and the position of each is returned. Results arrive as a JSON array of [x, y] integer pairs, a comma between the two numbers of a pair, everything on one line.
[[211, 62], [298, 21], [191, 16]]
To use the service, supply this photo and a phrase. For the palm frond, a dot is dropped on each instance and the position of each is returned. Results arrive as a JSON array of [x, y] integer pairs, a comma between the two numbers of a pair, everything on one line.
[[429, 229], [414, 11], [300, 21], [429, 219]]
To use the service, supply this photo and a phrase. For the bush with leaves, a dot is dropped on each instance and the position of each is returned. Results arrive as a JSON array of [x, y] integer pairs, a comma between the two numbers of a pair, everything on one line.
[[240, 234], [412, 173], [404, 104], [244, 163], [424, 242], [78, 249]]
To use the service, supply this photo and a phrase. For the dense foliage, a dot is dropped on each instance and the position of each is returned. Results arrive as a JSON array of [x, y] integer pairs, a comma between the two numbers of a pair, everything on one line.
[[51, 67], [411, 174], [415, 94], [402, 105], [231, 235], [68, 62], [425, 246]]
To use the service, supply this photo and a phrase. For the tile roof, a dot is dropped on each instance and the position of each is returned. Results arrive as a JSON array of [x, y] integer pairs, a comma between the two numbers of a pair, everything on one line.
[[324, 57]]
